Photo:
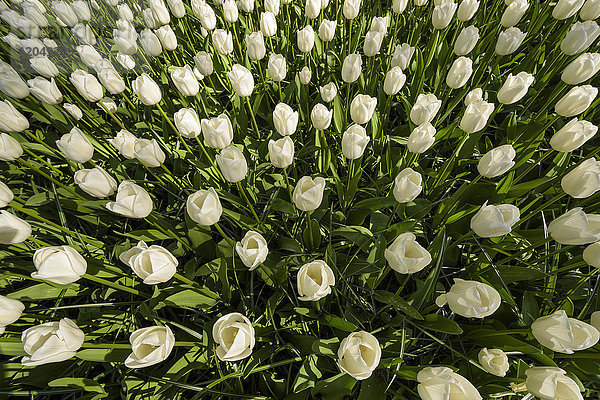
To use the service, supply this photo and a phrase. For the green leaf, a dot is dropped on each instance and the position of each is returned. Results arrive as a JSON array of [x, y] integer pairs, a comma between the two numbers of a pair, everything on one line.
[[103, 355], [12, 348], [147, 235], [89, 385], [45, 291], [194, 298], [359, 235], [398, 303], [326, 347], [439, 323]]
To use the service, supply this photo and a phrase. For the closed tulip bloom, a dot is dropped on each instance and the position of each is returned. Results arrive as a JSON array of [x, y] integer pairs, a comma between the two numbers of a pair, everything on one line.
[[234, 336], [101, 64], [277, 67], [351, 68], [328, 92], [252, 249], [87, 85], [466, 40], [13, 229], [95, 182], [35, 17], [242, 81], [43, 66], [573, 135], [281, 152], [576, 101], [314, 281], [509, 41], [150, 43], [327, 30], [351, 8], [148, 152], [575, 227], [268, 24], [217, 132], [394, 80], [205, 14], [132, 201], [51, 342], [75, 146], [204, 207], [443, 13], [407, 185], [402, 55], [10, 311], [82, 10], [125, 12], [146, 90], [65, 13], [45, 90], [6, 195], [160, 12], [285, 119], [582, 181], [304, 75], [494, 361], [459, 73], [476, 116], [246, 5], [591, 255], [12, 85], [398, 6], [467, 9], [443, 383], [167, 37], [232, 163], [58, 264], [354, 142], [306, 39], [320, 117], [111, 80], [312, 8], [515, 87], [494, 221], [581, 69], [84, 34], [126, 41], [124, 142], [308, 193], [425, 108], [551, 383], [10, 149], [272, 6], [562, 334], [580, 37], [590, 10], [362, 108], [497, 161], [222, 41], [406, 256], [73, 110], [230, 11], [513, 13], [185, 81], [566, 8], [372, 43], [379, 24], [177, 8], [187, 123], [153, 264], [204, 63], [255, 45], [108, 104], [470, 299], [126, 61], [149, 346], [421, 138], [359, 354]]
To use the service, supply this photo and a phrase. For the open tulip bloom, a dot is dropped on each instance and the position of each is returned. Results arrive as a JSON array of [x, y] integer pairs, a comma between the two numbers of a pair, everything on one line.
[[300, 199]]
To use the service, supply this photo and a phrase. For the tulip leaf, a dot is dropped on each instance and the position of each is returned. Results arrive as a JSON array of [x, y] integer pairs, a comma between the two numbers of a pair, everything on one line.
[[44, 291], [439, 323], [103, 355], [359, 235], [12, 348], [326, 347], [398, 303], [89, 385], [308, 374], [194, 298]]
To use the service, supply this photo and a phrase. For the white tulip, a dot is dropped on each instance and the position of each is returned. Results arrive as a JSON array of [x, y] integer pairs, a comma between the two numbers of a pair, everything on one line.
[[150, 43], [362, 108], [351, 68], [576, 101], [268, 24], [566, 8], [562, 334], [466, 40], [354, 142], [394, 81], [320, 117], [13, 229], [575, 227], [58, 264], [281, 152], [359, 354], [442, 14], [515, 87], [232, 163], [126, 40], [125, 12], [217, 132], [124, 142], [580, 37], [95, 182], [84, 34], [509, 41], [406, 256], [230, 11], [204, 207], [177, 8], [407, 185], [327, 30], [372, 43], [10, 311], [467, 9], [167, 37], [12, 85], [573, 135], [222, 41], [306, 39], [234, 335], [421, 138], [153, 264], [398, 6], [252, 249], [187, 123], [494, 361], [476, 116], [11, 119], [43, 66], [65, 13], [205, 14], [308, 193], [494, 221], [314, 281], [425, 108], [6, 195], [443, 383], [150, 346], [590, 10], [204, 63], [513, 13], [246, 5], [470, 299], [242, 80], [148, 152], [351, 8], [87, 85], [582, 181], [402, 55], [146, 90], [312, 8], [497, 161], [581, 69], [45, 90], [277, 67], [10, 149], [51, 342], [328, 92], [305, 75], [132, 201], [272, 6], [285, 119], [255, 45], [73, 110], [459, 73], [550, 383], [185, 81], [76, 146]]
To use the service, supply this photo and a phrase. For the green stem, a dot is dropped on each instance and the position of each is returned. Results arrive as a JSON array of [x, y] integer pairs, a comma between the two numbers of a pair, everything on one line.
[[113, 285], [253, 118], [243, 192]]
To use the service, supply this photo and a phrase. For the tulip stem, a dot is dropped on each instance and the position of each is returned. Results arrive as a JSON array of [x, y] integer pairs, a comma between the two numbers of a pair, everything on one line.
[[174, 128], [113, 285], [185, 280], [309, 226], [230, 240], [289, 187], [243, 192], [280, 94], [349, 177], [253, 118], [175, 179], [51, 179], [392, 215], [113, 116]]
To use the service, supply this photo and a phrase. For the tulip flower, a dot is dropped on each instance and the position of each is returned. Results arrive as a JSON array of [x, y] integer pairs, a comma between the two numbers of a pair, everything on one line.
[[204, 207], [149, 346], [328, 92], [230, 11], [407, 185], [147, 90], [10, 149], [515, 87], [150, 43], [476, 116], [154, 264], [305, 74], [185, 81], [204, 63], [306, 39], [443, 13], [43, 66], [406, 256], [562, 334], [566, 8], [459, 73], [132, 201], [497, 161], [591, 255], [471, 299], [148, 152], [10, 311], [573, 135], [590, 10], [513, 13], [442, 382], [550, 383], [351, 8], [509, 41], [87, 85], [285, 119], [167, 37], [402, 56], [494, 221], [362, 108], [359, 354], [398, 6], [354, 142], [314, 281], [75, 146], [95, 182], [372, 43], [13, 229], [576, 101], [421, 138], [234, 335], [494, 361], [255, 45], [575, 227], [466, 40], [187, 123], [351, 68], [580, 37], [308, 193], [6, 195], [241, 79], [232, 163], [51, 342], [581, 69], [425, 109], [217, 132], [268, 24], [277, 67], [58, 264], [252, 249], [467, 9], [281, 152], [327, 30], [582, 181]]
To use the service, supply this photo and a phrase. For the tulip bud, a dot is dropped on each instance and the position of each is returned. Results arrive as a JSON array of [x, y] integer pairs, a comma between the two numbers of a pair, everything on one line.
[[459, 72], [177, 8], [205, 14], [497, 161], [354, 142], [305, 75], [314, 281], [125, 12], [576, 101], [372, 43], [470, 299], [126, 41], [13, 229], [146, 90], [277, 67], [467, 9], [442, 382], [252, 250], [10, 311], [351, 68], [84, 34], [379, 24], [351, 8], [466, 40], [359, 354], [581, 69], [406, 256], [590, 10], [494, 221], [272, 6], [320, 117], [51, 342], [551, 383], [573, 135], [328, 92], [160, 13], [476, 116], [222, 41], [394, 80], [148, 152], [6, 195], [362, 108], [268, 24], [232, 163], [43, 66], [308, 193], [10, 149], [185, 81], [124, 142], [442, 14], [111, 80], [494, 361], [234, 336], [306, 39], [167, 37], [150, 345], [327, 30], [398, 6], [509, 41], [230, 11], [513, 13], [218, 131], [45, 90], [132, 201], [281, 152], [562, 334], [64, 13], [87, 85], [75, 146], [255, 46], [153, 264], [582, 181], [150, 43], [566, 8], [421, 138], [204, 63], [58, 264], [285, 119], [312, 8], [246, 5], [204, 207], [402, 56], [515, 87], [241, 79], [95, 182], [73, 110], [36, 17], [580, 37], [407, 185], [187, 123], [425, 109], [591, 255], [575, 227], [12, 85]]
